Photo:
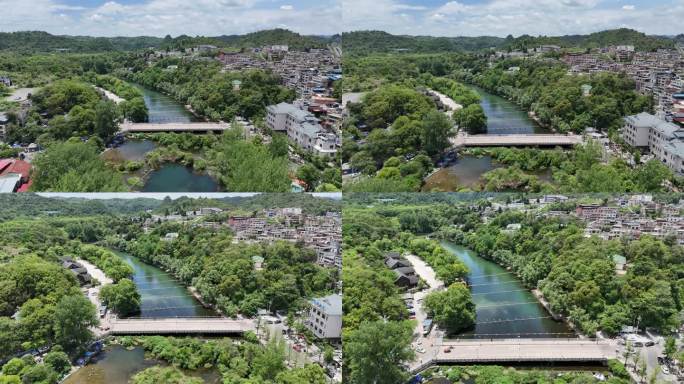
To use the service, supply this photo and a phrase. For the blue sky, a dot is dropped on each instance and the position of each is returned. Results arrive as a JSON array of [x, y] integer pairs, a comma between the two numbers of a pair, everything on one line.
[[503, 17], [174, 17], [415, 17]]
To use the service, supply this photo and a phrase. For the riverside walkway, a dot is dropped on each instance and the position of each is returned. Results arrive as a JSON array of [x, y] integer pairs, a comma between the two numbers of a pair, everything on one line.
[[174, 326], [516, 140], [173, 127]]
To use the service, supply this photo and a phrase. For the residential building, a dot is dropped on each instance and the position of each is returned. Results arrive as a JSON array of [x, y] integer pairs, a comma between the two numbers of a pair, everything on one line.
[[663, 139], [302, 128], [325, 317]]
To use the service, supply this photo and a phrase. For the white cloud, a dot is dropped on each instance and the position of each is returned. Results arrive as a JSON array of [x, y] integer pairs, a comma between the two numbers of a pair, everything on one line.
[[174, 17], [517, 17]]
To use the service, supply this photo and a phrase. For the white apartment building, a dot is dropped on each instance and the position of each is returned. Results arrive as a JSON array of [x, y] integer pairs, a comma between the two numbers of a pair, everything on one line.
[[664, 140], [302, 128], [325, 317]]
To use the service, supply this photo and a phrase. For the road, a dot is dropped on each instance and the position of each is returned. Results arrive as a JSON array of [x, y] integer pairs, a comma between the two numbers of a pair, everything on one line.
[[650, 356], [425, 272], [94, 294], [447, 101], [432, 342], [111, 96]]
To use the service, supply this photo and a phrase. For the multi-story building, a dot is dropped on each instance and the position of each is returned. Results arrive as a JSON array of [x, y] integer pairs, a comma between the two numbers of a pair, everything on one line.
[[325, 317], [664, 140], [302, 128]]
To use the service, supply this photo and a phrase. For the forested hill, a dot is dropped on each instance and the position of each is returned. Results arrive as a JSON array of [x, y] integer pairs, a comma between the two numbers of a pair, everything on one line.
[[20, 205], [367, 42], [277, 36], [622, 36], [17, 205], [37, 41]]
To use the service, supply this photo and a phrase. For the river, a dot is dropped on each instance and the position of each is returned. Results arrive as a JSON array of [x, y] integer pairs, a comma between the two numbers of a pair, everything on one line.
[[504, 307], [161, 296], [169, 177], [164, 109], [505, 117]]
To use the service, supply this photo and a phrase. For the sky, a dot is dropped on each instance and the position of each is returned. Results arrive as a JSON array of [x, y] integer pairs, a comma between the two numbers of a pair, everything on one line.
[[516, 17], [173, 17], [326, 17]]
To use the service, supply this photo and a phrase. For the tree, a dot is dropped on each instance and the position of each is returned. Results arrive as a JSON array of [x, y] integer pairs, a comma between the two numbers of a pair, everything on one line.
[[471, 118], [437, 128], [59, 361], [13, 367], [328, 354], [309, 374], [453, 309], [106, 120], [164, 375], [670, 347], [649, 177], [136, 110], [269, 361], [376, 351], [278, 146], [74, 316], [40, 374], [74, 166], [310, 175], [122, 297]]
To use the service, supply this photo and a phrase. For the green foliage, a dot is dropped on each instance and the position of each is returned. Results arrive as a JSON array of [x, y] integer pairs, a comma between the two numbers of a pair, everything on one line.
[[58, 361], [122, 297], [223, 273], [376, 351], [164, 375], [471, 119], [74, 315], [209, 91], [247, 166], [74, 167], [453, 309], [110, 263]]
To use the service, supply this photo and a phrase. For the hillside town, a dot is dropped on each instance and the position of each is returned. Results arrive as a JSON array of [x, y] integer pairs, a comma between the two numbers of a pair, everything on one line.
[[319, 233], [660, 74]]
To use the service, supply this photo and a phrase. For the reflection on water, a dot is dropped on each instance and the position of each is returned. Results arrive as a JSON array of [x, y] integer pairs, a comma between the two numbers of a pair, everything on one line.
[[160, 294], [504, 117], [117, 365], [502, 301], [164, 109], [179, 178], [133, 150]]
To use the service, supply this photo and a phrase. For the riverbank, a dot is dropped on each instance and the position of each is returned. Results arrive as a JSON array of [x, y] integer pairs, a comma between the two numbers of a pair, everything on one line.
[[505, 308]]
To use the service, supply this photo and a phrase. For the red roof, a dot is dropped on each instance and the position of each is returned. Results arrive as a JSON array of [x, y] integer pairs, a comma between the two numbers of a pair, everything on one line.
[[4, 163], [25, 187], [18, 166]]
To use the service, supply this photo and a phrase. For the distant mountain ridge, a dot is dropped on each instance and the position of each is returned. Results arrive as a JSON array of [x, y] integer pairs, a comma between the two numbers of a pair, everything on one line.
[[39, 41], [363, 42]]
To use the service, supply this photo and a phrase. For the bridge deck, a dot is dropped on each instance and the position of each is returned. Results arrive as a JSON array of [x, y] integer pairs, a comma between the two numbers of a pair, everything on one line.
[[173, 127], [516, 140], [179, 326], [525, 350]]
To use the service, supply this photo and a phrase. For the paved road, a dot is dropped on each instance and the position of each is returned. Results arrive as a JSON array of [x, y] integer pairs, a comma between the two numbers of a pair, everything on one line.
[[425, 272], [431, 343], [532, 350], [180, 326], [515, 140]]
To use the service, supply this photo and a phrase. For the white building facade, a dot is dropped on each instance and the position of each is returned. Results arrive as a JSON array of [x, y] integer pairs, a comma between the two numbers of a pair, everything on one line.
[[325, 317], [663, 139]]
